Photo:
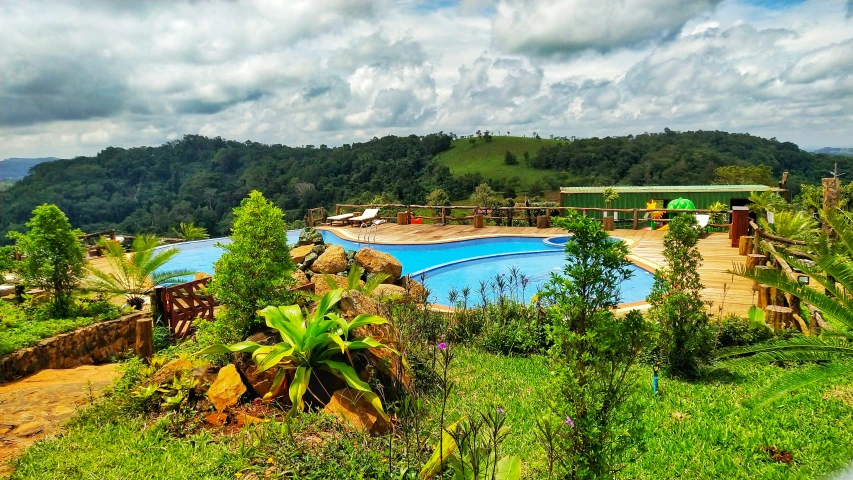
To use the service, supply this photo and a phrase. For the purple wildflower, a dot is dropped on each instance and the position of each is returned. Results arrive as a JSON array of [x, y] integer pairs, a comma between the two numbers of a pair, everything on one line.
[[569, 422], [501, 410], [442, 346]]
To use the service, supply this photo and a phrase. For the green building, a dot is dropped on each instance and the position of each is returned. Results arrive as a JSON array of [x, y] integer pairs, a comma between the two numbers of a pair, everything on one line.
[[703, 196]]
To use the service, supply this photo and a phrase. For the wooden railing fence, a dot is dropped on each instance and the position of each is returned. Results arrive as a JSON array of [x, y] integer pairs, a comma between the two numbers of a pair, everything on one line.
[[634, 216], [179, 305]]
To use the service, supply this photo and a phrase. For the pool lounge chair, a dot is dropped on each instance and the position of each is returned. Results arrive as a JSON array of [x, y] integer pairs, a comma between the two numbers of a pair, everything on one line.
[[703, 219], [368, 215], [342, 218]]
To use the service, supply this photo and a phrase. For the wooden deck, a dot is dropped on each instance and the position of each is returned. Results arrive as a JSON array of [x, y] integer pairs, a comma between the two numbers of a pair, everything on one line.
[[725, 293]]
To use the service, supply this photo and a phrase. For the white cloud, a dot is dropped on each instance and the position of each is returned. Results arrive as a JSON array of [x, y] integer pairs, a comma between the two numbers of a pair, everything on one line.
[[78, 76]]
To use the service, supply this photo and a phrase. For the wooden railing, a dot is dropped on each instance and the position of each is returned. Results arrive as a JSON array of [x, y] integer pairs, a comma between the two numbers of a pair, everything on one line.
[[761, 252], [508, 214], [179, 305]]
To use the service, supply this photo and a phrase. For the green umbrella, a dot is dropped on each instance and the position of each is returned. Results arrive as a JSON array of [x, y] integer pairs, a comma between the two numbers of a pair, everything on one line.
[[681, 204]]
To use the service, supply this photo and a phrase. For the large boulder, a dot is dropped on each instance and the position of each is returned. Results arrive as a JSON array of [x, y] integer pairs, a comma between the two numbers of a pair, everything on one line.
[[355, 411], [299, 278], [333, 260], [379, 262], [227, 388], [388, 292], [259, 382], [415, 289], [171, 369], [354, 303], [297, 254], [309, 236]]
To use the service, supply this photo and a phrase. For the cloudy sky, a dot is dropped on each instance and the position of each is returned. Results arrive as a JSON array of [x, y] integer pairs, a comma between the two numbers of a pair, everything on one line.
[[77, 76]]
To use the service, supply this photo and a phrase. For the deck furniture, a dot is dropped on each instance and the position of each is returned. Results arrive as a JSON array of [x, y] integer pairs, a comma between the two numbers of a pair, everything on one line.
[[342, 218], [368, 215], [703, 219]]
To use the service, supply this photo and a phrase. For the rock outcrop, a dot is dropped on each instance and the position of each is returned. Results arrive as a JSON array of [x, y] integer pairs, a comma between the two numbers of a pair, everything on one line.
[[297, 254], [374, 261], [332, 260]]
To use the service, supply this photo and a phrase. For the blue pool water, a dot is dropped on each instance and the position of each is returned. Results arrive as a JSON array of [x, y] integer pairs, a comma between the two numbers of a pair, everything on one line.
[[444, 266]]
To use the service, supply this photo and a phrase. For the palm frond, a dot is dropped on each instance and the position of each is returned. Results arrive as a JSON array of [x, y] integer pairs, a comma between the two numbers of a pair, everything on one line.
[[795, 349], [797, 380]]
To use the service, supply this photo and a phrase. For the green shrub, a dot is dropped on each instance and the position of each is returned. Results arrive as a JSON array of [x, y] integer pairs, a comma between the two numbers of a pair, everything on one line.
[[594, 353], [255, 270], [53, 256], [686, 341], [735, 331]]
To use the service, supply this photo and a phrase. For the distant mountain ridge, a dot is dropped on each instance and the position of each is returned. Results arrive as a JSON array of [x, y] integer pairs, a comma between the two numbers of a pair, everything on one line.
[[17, 168], [844, 151]]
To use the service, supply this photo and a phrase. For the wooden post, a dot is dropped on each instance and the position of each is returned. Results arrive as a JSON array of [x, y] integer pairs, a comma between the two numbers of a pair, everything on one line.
[[543, 221], [636, 219], [831, 195], [444, 215], [755, 259], [609, 224], [112, 234], [783, 184], [337, 209], [479, 221], [509, 217], [779, 317], [745, 246], [763, 292], [310, 218], [145, 338], [756, 241]]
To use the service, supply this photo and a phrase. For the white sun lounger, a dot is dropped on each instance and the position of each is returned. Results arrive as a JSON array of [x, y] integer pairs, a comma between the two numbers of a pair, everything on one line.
[[368, 215], [340, 218]]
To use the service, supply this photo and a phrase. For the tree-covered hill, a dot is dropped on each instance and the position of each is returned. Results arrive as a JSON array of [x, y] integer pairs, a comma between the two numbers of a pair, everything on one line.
[[199, 179]]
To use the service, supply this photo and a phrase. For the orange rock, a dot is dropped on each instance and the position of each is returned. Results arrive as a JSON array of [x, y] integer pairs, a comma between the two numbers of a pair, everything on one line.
[[227, 388], [299, 278], [170, 370], [355, 411], [333, 260], [379, 262], [217, 419], [298, 254], [321, 286], [246, 419]]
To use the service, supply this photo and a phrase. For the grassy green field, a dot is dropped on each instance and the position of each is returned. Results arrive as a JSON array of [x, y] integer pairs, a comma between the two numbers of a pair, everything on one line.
[[487, 159], [697, 430]]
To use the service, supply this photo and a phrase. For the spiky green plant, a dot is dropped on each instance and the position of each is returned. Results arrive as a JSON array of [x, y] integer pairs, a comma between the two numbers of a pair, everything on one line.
[[134, 275], [190, 232], [353, 278], [795, 225], [764, 201], [832, 269]]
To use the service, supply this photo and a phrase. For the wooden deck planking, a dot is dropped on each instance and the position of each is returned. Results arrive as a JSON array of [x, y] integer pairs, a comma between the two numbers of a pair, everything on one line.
[[734, 294]]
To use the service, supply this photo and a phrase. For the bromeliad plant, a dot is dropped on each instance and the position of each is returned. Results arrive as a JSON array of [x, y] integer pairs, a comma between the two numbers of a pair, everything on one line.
[[309, 345]]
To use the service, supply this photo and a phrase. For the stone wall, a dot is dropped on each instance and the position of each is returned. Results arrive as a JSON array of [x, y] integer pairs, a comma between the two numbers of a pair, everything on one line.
[[87, 345]]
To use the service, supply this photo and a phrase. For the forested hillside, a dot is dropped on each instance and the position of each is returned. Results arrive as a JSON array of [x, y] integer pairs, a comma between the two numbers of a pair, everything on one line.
[[199, 179], [673, 158]]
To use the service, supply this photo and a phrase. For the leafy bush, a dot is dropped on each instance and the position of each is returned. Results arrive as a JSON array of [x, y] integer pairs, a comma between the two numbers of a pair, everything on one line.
[[25, 325], [53, 256], [255, 270], [593, 356], [686, 341], [735, 331]]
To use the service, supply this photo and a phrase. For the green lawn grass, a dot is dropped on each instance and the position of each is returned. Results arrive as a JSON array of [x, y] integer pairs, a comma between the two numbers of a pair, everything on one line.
[[487, 158], [20, 329], [696, 430]]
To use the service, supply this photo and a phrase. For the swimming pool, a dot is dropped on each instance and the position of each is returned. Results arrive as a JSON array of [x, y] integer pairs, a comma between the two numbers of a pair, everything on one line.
[[444, 266]]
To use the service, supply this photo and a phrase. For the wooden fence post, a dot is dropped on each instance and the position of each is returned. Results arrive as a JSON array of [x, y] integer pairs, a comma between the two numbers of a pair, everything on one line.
[[144, 347], [636, 219]]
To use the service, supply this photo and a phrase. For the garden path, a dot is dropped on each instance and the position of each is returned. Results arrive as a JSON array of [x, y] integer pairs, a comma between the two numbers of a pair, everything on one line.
[[37, 406]]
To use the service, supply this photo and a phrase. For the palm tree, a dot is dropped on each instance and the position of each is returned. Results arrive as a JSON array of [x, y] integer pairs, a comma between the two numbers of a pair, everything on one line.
[[831, 267], [791, 224], [190, 232], [135, 275]]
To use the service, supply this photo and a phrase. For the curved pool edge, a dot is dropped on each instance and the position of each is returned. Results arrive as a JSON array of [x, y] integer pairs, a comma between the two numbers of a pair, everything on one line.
[[481, 257]]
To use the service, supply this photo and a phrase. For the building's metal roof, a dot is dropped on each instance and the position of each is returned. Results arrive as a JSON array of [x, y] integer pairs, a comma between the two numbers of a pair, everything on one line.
[[673, 188]]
